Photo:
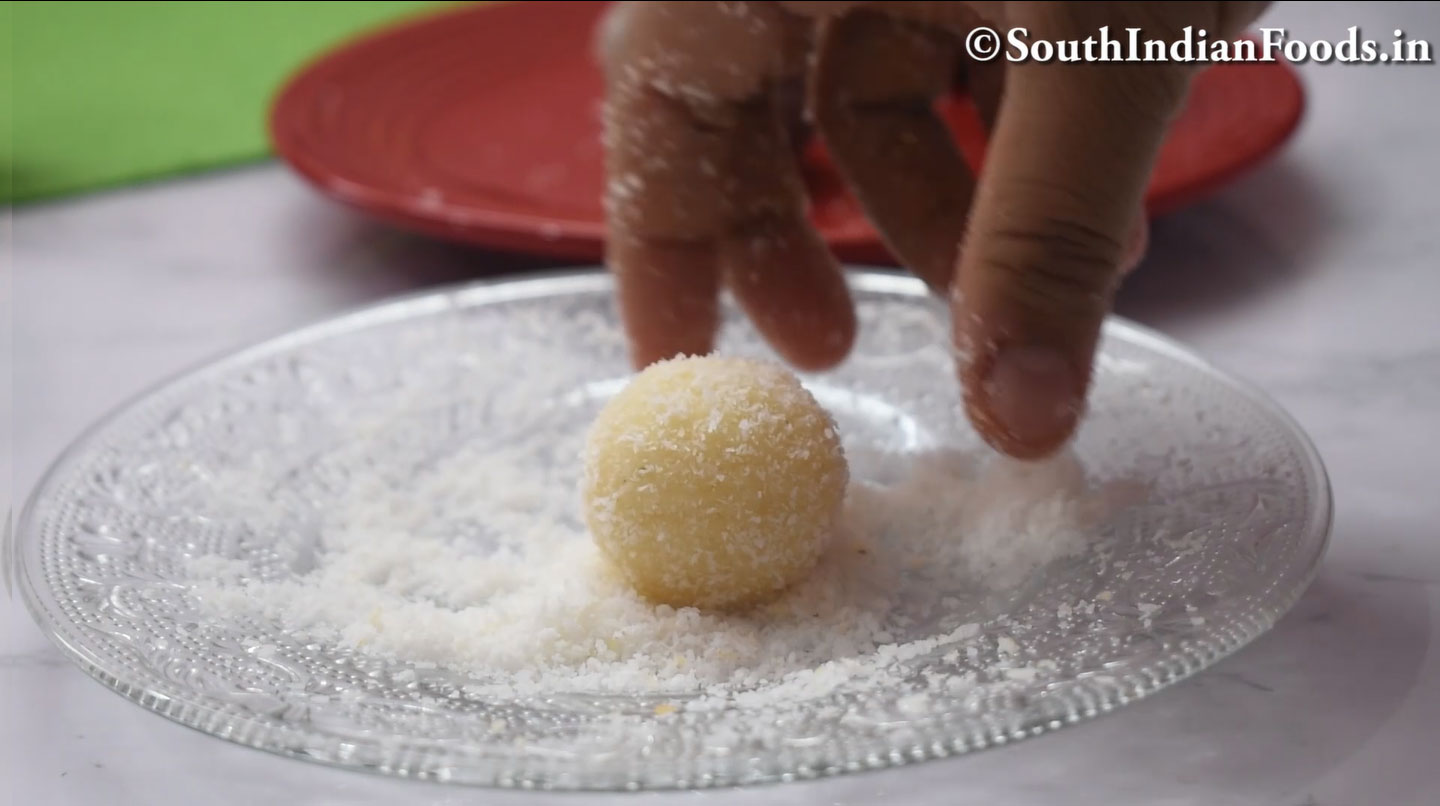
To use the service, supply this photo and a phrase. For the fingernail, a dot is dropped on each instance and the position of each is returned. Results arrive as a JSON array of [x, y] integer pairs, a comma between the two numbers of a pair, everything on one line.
[[1135, 249], [1033, 395]]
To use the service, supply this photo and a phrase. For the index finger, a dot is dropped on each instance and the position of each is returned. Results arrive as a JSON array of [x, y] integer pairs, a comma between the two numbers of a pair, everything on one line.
[[703, 187]]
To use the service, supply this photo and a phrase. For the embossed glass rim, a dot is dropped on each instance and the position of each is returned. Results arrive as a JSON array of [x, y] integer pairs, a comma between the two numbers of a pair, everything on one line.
[[1067, 702]]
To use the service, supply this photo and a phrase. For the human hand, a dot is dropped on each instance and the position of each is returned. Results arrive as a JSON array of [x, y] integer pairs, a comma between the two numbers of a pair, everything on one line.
[[704, 188]]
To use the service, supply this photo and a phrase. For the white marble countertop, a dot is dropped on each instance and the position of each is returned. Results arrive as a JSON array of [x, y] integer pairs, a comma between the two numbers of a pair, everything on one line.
[[1318, 277]]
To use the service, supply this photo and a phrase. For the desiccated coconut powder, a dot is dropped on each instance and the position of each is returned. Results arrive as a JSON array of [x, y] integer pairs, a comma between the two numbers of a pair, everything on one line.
[[481, 566]]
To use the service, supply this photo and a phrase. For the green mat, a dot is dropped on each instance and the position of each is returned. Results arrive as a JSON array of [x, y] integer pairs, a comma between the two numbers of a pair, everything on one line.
[[98, 94]]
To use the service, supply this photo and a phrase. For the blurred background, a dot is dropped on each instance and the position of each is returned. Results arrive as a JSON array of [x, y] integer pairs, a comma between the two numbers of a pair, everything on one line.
[[113, 93]]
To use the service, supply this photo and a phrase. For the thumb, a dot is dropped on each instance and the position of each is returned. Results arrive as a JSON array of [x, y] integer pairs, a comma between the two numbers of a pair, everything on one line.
[[1052, 222]]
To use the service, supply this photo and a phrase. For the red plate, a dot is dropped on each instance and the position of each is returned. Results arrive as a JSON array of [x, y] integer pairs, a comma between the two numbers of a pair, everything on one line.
[[482, 125]]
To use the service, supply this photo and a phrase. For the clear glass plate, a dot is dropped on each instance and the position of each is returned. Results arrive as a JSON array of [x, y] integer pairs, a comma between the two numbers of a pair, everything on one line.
[[1208, 513]]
